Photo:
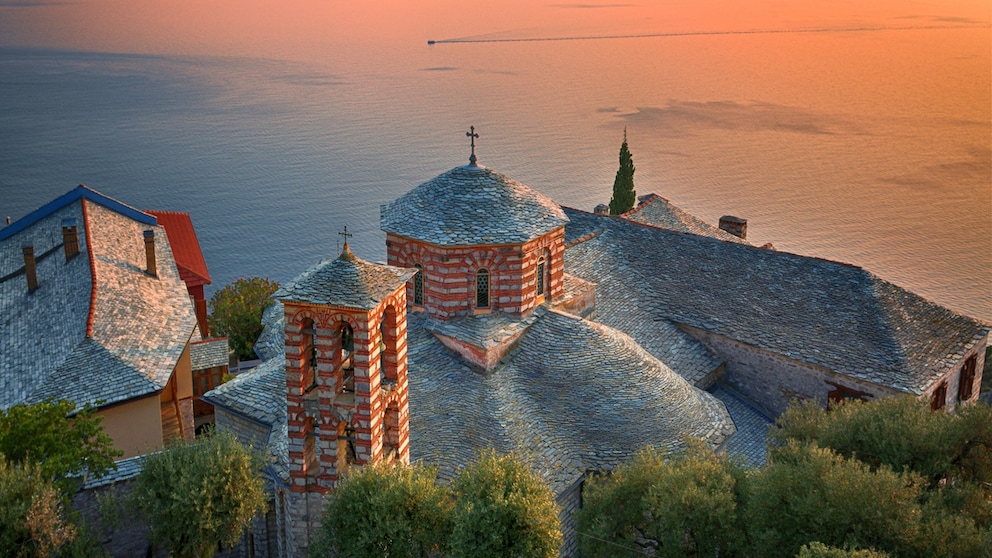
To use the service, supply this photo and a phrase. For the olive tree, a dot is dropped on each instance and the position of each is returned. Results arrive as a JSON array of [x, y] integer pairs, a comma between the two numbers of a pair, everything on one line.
[[32, 519], [196, 496], [382, 510], [674, 505], [503, 509]]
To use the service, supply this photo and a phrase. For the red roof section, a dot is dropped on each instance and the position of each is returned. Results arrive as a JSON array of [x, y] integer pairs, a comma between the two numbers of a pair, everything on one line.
[[185, 246]]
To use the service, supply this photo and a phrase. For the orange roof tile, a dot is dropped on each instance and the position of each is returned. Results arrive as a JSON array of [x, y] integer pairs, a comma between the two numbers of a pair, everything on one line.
[[185, 246]]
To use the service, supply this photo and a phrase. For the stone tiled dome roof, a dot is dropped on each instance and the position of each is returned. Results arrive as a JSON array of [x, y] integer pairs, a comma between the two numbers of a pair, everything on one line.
[[472, 205]]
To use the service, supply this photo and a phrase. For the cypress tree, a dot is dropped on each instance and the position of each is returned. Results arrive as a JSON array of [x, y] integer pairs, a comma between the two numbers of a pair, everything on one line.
[[623, 185]]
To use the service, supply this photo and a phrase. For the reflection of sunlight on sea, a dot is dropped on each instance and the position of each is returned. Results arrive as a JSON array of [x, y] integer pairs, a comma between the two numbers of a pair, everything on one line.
[[820, 146]]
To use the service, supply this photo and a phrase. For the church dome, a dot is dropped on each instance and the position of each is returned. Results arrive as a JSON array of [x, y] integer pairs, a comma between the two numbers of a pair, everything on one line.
[[472, 205]]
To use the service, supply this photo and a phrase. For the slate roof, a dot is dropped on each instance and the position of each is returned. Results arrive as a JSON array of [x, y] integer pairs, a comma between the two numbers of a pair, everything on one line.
[[659, 212], [209, 353], [347, 281], [98, 328], [575, 396], [471, 205], [271, 343], [824, 313], [185, 246], [260, 396]]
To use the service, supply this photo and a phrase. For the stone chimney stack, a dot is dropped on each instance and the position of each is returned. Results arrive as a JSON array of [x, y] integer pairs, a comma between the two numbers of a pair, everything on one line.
[[150, 253], [30, 269], [734, 225], [602, 209], [70, 238]]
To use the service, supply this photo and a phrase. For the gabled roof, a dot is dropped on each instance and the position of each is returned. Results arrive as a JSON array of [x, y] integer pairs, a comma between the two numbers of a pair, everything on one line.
[[77, 193], [469, 206], [347, 282], [820, 312], [185, 246], [657, 211], [98, 329]]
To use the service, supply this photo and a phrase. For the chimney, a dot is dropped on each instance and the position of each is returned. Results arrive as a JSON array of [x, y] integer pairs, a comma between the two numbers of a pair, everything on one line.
[[70, 238], [601, 209], [734, 225], [29, 267], [150, 253]]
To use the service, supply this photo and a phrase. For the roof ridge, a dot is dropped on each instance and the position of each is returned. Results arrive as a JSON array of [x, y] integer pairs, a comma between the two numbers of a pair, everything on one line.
[[79, 192], [643, 203], [92, 258]]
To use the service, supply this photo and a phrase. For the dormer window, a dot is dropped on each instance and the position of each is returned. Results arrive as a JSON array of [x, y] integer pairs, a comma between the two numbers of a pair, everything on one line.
[[482, 288]]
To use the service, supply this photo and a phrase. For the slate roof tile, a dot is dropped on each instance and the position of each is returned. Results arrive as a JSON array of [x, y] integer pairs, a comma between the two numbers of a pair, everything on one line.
[[471, 205], [824, 313], [346, 281], [657, 211]]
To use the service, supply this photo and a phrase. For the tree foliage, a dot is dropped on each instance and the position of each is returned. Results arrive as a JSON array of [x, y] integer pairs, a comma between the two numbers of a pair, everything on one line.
[[383, 510], [32, 522], [899, 432], [685, 504], [196, 496], [62, 446], [820, 550], [503, 509], [624, 195], [236, 311], [806, 494]]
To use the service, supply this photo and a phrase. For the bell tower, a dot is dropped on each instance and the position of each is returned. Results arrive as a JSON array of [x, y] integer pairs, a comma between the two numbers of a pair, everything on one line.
[[346, 373]]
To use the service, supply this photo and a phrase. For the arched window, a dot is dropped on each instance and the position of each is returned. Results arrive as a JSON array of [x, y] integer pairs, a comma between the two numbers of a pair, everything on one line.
[[418, 285], [309, 354], [482, 288], [540, 276]]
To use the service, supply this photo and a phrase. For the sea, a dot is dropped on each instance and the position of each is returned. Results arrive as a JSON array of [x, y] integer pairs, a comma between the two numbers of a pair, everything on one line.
[[859, 132]]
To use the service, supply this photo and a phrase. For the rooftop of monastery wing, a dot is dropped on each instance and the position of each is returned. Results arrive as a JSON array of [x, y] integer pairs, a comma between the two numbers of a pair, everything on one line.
[[98, 328]]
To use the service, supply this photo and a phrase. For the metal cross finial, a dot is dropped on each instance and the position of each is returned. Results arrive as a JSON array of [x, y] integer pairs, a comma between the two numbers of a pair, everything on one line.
[[472, 160], [346, 251]]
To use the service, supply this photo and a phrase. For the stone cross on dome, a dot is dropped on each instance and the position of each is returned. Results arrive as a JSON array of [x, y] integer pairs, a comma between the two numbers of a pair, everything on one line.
[[472, 160]]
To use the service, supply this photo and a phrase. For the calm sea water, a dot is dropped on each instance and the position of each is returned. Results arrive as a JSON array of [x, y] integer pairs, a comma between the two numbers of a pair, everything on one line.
[[869, 146]]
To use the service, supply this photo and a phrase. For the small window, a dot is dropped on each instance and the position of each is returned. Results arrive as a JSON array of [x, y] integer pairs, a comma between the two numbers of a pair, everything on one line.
[[540, 276], [939, 397], [418, 286], [482, 289], [967, 387], [844, 393]]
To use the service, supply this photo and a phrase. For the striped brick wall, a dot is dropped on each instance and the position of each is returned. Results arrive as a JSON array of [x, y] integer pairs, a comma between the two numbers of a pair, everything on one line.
[[450, 271]]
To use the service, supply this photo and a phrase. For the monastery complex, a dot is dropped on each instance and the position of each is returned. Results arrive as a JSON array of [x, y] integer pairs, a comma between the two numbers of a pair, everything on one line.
[[503, 320], [499, 320]]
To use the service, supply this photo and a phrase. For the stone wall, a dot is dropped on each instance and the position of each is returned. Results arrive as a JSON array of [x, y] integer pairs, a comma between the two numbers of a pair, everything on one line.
[[771, 382], [124, 536], [569, 503], [246, 431]]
